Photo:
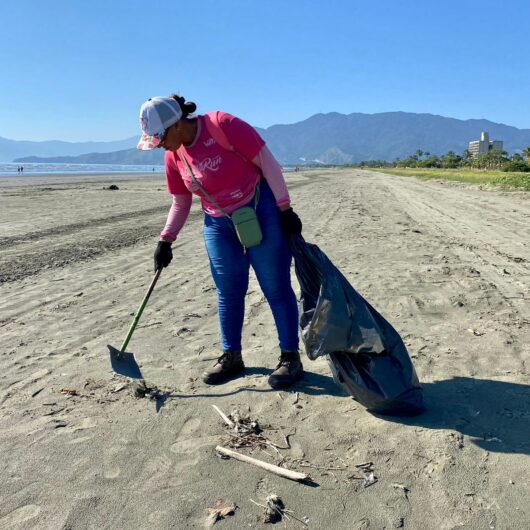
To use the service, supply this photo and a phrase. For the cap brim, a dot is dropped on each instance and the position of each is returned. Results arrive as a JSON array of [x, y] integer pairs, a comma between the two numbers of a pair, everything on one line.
[[147, 143]]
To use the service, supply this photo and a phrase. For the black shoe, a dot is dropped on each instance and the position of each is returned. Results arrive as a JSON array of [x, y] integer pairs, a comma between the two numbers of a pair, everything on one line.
[[229, 365], [288, 371]]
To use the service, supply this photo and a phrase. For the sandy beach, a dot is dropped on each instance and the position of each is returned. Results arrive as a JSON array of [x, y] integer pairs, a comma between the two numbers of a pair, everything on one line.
[[446, 263]]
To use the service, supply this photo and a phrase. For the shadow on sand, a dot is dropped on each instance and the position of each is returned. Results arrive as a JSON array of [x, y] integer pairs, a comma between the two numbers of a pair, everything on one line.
[[494, 414], [311, 384]]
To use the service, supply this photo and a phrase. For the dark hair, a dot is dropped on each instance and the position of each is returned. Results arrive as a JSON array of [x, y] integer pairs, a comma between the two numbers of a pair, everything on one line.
[[188, 107]]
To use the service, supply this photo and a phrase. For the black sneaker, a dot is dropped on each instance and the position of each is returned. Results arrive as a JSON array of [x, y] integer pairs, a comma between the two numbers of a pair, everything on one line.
[[228, 366], [288, 371]]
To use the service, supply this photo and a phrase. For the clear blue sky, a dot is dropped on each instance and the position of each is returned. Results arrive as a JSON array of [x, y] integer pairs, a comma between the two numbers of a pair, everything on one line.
[[79, 70]]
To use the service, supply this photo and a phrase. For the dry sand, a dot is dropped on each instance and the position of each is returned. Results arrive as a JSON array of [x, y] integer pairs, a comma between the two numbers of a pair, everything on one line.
[[446, 264]]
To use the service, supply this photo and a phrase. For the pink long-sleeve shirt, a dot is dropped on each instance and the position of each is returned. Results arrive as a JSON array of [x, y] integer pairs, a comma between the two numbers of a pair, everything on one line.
[[230, 177]]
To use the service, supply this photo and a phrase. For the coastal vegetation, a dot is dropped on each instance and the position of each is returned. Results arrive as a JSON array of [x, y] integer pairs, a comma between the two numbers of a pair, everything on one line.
[[495, 167]]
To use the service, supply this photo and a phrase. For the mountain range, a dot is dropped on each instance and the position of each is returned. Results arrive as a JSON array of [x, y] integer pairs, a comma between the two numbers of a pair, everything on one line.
[[12, 149], [331, 138]]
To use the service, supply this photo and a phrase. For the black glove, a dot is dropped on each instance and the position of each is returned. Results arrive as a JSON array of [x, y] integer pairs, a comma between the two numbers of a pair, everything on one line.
[[163, 255], [290, 222]]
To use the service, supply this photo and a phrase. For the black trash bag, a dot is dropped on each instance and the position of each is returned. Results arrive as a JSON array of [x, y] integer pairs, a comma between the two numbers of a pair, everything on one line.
[[366, 354]]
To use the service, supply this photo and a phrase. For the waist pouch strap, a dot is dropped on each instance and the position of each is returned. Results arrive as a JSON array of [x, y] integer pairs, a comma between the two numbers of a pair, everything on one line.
[[245, 219]]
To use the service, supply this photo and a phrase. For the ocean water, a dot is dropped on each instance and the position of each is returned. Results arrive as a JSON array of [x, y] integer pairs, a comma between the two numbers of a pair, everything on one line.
[[10, 169]]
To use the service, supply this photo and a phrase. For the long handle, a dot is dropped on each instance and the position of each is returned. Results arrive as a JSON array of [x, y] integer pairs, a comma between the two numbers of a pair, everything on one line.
[[140, 311]]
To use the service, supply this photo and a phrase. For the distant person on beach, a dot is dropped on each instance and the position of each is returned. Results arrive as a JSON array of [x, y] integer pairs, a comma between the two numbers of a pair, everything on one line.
[[224, 161]]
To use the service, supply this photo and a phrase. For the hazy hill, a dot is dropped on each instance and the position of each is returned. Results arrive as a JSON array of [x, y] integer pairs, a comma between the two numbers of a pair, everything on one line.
[[11, 149], [339, 138], [126, 156]]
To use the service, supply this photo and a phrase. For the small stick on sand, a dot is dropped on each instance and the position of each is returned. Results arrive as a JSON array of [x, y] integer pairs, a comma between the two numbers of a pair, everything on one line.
[[286, 473], [323, 467], [228, 421]]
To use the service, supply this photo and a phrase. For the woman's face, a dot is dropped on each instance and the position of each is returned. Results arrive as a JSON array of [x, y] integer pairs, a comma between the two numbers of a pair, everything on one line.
[[174, 137]]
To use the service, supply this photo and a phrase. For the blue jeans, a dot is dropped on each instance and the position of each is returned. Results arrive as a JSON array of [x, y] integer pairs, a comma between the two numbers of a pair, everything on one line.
[[271, 261]]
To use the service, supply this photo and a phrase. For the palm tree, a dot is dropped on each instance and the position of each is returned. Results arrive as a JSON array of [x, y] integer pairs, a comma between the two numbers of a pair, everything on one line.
[[526, 152]]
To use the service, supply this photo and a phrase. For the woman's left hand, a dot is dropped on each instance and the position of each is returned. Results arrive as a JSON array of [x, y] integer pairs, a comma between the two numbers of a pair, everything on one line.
[[290, 222]]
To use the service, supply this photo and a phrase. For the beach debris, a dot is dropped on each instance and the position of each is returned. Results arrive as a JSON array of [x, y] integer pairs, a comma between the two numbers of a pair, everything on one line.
[[220, 510], [37, 392], [228, 421], [282, 472], [366, 466], [112, 187], [69, 392], [303, 463], [397, 485], [244, 424], [119, 387], [475, 332], [402, 487], [244, 431], [141, 390], [275, 511], [368, 474], [369, 479]]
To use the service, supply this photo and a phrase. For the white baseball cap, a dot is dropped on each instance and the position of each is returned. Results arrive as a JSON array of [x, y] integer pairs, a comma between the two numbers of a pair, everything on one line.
[[156, 115]]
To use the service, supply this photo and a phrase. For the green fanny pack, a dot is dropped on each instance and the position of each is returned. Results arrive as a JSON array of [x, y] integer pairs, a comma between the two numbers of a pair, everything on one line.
[[245, 219], [247, 226]]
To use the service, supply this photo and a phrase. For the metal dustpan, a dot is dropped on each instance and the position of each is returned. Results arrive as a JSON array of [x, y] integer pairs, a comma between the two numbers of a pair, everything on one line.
[[123, 362]]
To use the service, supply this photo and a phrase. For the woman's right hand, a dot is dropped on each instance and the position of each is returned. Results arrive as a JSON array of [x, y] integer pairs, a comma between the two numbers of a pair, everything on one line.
[[163, 255]]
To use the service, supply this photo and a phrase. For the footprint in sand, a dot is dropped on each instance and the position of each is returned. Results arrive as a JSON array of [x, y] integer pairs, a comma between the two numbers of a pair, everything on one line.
[[189, 442], [16, 518], [186, 441]]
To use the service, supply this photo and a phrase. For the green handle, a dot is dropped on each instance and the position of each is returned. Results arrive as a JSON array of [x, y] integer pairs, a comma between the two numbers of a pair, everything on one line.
[[140, 311]]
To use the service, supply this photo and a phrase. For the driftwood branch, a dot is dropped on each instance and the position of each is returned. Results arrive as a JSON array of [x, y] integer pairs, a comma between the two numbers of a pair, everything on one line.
[[286, 473], [226, 419]]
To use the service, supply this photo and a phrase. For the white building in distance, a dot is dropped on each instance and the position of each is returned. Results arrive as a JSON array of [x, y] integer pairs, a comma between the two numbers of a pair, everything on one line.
[[484, 145]]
